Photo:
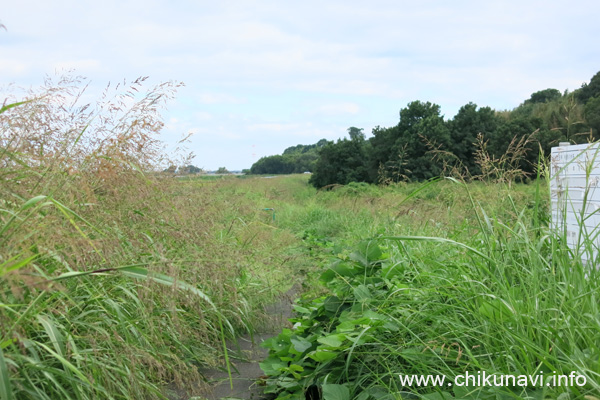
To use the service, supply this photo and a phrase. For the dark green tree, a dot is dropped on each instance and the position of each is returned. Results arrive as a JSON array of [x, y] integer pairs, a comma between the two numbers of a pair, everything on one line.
[[273, 165], [406, 152], [589, 90], [592, 114], [382, 162], [190, 169], [502, 142], [342, 162], [544, 96], [294, 160], [356, 133], [464, 128]]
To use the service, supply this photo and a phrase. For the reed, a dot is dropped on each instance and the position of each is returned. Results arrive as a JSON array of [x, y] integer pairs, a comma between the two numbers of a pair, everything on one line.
[[114, 279]]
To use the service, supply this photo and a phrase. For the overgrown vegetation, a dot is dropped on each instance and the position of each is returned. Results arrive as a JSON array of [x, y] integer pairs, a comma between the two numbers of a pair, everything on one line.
[[449, 279], [118, 281], [115, 280]]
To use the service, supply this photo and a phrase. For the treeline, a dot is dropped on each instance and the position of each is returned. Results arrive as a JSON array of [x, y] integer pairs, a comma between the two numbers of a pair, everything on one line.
[[294, 160], [478, 142]]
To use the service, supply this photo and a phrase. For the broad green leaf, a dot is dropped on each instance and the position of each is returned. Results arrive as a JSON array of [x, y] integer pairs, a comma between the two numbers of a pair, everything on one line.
[[340, 269], [374, 316], [290, 384], [367, 253], [391, 326], [294, 369], [296, 395], [279, 344], [272, 365], [370, 318], [300, 344], [390, 270], [321, 355], [333, 391], [332, 304], [362, 293], [335, 340], [377, 393], [301, 310], [371, 250], [359, 258], [363, 396], [346, 326]]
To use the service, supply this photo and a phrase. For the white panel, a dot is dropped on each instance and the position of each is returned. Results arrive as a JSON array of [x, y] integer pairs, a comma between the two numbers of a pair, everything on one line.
[[575, 182]]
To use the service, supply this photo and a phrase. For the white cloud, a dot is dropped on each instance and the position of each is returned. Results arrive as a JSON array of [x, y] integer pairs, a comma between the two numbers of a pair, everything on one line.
[[340, 108], [276, 72], [13, 67], [217, 98], [272, 127], [202, 116]]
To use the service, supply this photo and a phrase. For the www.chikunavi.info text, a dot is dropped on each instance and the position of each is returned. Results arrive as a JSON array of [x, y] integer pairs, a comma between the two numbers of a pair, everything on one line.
[[481, 378]]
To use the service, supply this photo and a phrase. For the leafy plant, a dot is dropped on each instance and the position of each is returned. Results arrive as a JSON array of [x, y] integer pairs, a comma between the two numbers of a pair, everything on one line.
[[423, 305]]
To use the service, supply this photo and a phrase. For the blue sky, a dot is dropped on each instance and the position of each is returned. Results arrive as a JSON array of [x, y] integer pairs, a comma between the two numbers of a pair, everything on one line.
[[261, 76]]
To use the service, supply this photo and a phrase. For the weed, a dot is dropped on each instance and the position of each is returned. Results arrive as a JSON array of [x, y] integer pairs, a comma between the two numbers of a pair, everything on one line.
[[502, 296], [115, 279]]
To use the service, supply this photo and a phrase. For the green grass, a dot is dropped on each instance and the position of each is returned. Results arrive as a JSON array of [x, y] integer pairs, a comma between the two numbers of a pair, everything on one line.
[[116, 282], [467, 279]]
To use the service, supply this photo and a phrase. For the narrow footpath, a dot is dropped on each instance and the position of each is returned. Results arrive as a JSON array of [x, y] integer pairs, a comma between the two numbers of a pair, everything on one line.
[[247, 353]]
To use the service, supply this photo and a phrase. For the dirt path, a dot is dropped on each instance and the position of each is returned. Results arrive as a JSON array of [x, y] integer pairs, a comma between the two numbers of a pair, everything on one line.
[[247, 353], [244, 358]]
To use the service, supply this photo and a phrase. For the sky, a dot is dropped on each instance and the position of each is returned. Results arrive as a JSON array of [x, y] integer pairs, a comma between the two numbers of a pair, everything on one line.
[[261, 76]]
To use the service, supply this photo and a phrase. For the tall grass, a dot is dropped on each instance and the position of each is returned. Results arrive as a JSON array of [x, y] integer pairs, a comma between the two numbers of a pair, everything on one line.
[[484, 287], [513, 303], [114, 279]]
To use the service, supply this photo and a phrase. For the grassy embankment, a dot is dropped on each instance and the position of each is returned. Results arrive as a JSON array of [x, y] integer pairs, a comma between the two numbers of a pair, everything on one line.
[[115, 282], [457, 278]]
